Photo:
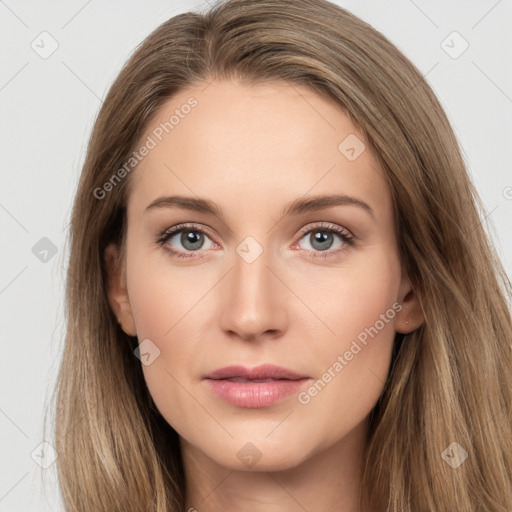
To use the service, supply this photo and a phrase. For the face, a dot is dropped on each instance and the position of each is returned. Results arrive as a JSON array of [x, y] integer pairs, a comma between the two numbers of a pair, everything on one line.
[[261, 275]]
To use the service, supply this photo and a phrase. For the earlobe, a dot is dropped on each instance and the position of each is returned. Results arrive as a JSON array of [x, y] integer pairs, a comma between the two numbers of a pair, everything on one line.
[[411, 315], [117, 292]]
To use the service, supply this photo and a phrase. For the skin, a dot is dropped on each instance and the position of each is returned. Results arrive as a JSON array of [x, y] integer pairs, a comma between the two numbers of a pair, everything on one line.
[[252, 150]]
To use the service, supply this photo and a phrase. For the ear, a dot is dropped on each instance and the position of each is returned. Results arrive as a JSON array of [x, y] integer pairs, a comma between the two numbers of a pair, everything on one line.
[[117, 291], [411, 311]]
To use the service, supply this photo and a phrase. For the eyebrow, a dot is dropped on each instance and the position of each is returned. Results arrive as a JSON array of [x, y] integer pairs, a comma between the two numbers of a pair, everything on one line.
[[296, 207]]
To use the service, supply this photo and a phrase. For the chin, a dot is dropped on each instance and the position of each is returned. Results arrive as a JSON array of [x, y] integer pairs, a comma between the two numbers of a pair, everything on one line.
[[257, 455]]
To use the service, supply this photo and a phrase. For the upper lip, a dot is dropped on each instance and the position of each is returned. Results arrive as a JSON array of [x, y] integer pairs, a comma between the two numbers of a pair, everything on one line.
[[264, 371]]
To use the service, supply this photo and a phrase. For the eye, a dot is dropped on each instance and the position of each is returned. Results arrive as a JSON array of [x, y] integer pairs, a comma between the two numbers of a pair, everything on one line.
[[190, 236], [322, 237]]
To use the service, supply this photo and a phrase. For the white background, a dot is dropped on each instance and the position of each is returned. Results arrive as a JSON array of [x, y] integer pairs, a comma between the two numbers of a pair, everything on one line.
[[47, 107]]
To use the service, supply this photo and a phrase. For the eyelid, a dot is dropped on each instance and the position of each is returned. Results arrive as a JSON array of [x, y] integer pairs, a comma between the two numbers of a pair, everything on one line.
[[327, 226], [186, 226]]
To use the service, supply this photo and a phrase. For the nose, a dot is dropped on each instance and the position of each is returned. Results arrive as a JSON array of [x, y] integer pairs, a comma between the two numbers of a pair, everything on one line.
[[253, 299]]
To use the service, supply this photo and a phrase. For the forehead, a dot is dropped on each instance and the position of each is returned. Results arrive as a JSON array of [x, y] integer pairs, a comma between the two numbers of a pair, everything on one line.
[[251, 146]]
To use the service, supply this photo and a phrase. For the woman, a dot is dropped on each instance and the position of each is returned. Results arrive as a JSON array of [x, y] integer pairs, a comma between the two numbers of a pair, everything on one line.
[[280, 294]]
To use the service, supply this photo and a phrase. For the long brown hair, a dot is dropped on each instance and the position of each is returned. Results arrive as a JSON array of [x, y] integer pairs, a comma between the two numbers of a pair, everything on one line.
[[450, 380]]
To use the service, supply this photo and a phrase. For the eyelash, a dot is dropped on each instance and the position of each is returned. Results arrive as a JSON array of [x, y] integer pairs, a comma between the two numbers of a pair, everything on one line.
[[346, 237]]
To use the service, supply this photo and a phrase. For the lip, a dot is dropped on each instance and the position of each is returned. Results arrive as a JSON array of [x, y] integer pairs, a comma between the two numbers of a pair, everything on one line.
[[262, 386]]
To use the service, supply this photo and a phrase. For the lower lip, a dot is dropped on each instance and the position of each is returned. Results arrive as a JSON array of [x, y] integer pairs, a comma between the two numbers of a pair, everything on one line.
[[255, 394]]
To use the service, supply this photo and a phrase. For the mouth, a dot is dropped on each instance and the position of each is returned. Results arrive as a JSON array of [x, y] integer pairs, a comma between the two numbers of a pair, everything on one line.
[[242, 379], [257, 387], [262, 372]]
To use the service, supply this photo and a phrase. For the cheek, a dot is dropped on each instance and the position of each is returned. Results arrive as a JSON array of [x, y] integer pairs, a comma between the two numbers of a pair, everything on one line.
[[162, 297], [347, 299], [359, 307], [166, 303], [162, 316]]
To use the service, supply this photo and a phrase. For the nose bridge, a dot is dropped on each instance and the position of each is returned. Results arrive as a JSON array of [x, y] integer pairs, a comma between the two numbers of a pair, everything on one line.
[[250, 276], [252, 302], [251, 279]]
